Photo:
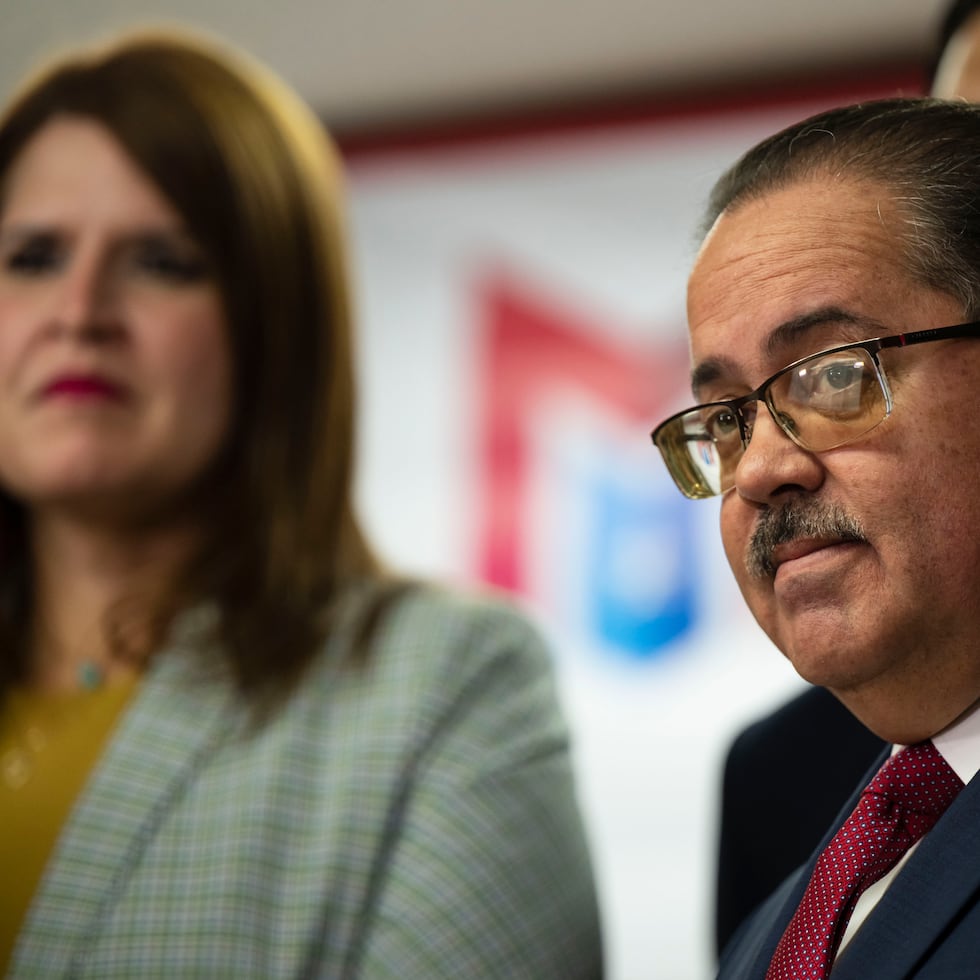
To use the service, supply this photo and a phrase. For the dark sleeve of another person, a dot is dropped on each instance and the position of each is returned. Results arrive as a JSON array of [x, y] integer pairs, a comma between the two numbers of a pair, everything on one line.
[[785, 779]]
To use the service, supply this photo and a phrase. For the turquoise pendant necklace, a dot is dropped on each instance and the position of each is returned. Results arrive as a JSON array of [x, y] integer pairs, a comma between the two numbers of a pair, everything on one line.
[[90, 676]]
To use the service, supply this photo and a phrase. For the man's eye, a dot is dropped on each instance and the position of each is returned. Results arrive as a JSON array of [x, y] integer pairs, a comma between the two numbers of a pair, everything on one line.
[[841, 375], [721, 424]]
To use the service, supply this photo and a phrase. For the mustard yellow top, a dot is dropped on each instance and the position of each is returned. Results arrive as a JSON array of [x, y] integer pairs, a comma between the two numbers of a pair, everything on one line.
[[49, 742]]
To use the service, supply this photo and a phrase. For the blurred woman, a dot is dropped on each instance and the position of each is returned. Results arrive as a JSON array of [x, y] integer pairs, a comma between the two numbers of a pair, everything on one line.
[[230, 745]]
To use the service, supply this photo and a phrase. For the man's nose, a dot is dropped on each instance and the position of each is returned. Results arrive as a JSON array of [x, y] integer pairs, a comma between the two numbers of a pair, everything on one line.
[[772, 463]]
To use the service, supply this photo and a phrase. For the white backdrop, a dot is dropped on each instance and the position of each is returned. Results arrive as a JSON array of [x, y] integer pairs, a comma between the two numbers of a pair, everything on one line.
[[522, 309]]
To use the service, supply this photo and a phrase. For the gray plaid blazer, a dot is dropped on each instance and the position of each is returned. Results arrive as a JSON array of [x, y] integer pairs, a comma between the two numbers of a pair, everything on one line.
[[414, 817]]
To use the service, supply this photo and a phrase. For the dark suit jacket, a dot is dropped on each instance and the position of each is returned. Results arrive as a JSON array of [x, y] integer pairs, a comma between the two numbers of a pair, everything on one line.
[[785, 778], [926, 926]]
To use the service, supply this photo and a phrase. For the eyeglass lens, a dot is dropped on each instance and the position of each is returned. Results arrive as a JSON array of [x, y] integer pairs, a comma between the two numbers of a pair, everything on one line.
[[823, 402]]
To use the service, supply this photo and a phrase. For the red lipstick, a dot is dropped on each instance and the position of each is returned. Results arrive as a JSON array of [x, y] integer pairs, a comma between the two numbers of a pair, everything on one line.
[[81, 386]]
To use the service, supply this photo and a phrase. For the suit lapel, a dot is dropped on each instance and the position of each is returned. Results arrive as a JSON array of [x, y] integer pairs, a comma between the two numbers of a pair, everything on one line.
[[937, 881], [751, 949], [177, 719]]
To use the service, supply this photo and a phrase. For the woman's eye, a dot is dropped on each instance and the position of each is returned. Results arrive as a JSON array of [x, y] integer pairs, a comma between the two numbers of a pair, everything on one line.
[[172, 262], [33, 257]]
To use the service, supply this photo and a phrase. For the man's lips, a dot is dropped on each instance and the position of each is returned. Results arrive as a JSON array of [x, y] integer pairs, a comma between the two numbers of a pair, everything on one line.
[[797, 530], [83, 386], [802, 547]]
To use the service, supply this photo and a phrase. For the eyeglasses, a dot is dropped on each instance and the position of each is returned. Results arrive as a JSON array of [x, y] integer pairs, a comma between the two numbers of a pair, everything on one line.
[[823, 401]]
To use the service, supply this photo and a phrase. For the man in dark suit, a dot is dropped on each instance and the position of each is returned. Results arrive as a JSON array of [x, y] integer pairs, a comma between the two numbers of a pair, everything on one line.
[[791, 816], [832, 312]]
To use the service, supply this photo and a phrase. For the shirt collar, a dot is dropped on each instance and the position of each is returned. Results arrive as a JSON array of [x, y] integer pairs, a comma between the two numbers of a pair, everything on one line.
[[959, 744]]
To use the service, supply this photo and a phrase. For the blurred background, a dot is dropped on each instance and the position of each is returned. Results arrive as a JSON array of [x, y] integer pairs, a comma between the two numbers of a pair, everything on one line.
[[526, 180]]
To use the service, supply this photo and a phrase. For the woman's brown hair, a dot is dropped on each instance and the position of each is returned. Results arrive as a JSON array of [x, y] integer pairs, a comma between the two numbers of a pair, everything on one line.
[[253, 174]]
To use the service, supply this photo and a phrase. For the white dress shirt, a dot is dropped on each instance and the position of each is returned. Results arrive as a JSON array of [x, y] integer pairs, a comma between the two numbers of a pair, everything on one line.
[[959, 745]]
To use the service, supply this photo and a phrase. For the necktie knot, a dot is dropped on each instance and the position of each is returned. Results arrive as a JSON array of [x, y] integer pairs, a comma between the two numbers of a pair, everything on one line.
[[904, 800], [918, 779]]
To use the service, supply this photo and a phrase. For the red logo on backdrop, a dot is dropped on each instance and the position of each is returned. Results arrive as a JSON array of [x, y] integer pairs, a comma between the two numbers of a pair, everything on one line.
[[532, 346]]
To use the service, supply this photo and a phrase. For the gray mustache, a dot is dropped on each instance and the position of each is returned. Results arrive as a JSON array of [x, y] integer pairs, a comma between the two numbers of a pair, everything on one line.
[[800, 519]]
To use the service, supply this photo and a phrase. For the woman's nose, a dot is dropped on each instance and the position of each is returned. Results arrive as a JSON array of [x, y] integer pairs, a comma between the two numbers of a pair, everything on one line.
[[87, 301]]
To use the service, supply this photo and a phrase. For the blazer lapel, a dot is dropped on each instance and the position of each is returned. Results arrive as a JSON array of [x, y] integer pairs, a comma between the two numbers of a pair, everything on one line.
[[179, 715], [937, 881]]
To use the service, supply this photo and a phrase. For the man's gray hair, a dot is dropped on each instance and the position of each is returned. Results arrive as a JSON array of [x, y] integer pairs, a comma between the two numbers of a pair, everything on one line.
[[926, 151]]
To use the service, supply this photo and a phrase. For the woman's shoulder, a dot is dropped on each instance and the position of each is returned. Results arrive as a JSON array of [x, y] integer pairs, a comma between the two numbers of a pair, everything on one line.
[[448, 611], [422, 637], [443, 619]]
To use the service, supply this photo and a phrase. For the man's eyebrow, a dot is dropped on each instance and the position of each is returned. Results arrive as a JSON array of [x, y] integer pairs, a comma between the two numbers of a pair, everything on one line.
[[788, 333], [711, 370], [783, 337]]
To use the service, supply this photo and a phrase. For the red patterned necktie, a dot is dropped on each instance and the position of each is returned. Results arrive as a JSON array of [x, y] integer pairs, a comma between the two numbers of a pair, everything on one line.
[[903, 801]]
